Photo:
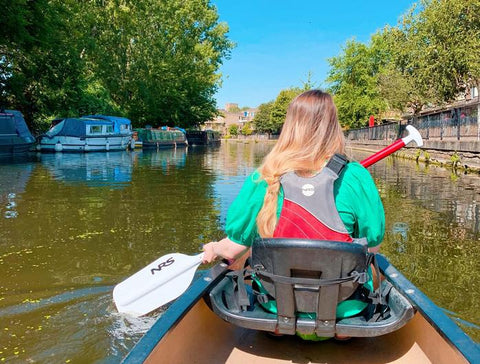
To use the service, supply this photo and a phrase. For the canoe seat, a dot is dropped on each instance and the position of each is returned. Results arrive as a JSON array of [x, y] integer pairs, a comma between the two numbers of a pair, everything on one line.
[[307, 279]]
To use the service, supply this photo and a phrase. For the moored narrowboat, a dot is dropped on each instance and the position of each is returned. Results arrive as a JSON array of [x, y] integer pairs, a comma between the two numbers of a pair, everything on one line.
[[150, 138], [205, 325], [15, 137], [203, 137], [84, 135]]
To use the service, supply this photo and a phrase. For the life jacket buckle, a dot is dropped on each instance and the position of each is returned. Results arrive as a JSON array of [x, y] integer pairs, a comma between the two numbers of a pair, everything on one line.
[[359, 277]]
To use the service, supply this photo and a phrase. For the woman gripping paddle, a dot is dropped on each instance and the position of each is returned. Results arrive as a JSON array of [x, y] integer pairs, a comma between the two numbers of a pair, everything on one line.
[[305, 188]]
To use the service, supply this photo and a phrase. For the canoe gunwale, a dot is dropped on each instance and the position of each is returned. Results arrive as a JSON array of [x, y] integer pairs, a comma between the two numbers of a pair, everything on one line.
[[443, 324], [175, 313]]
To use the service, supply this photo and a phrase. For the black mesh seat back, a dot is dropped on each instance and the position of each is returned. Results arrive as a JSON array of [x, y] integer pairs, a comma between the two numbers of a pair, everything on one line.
[[317, 259]]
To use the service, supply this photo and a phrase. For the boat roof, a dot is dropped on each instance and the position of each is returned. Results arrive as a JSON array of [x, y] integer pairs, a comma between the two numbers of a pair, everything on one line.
[[94, 121], [75, 127], [148, 134], [115, 119], [12, 122]]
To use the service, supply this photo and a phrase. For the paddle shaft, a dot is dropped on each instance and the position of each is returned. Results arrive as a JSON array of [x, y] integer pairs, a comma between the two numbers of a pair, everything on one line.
[[413, 135], [385, 152]]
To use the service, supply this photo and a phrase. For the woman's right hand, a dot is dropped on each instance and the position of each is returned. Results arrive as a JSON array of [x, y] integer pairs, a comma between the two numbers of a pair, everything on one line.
[[224, 248], [209, 254]]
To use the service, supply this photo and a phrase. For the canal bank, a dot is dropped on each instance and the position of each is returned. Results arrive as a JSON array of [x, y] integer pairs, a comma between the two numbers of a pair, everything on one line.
[[463, 155], [458, 154]]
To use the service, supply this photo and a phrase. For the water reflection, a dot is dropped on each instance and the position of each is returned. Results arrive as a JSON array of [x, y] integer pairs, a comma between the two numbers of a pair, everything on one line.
[[400, 235], [113, 169], [14, 178], [435, 188], [85, 222], [163, 159]]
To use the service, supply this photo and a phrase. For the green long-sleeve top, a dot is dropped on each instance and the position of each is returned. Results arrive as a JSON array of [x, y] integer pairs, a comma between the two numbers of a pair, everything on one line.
[[356, 198]]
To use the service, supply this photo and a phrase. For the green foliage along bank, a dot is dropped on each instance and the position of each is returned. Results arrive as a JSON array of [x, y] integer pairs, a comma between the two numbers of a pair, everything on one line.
[[155, 62], [429, 58]]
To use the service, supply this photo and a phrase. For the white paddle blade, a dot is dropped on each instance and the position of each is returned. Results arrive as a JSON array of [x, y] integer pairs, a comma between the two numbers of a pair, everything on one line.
[[413, 135], [157, 284]]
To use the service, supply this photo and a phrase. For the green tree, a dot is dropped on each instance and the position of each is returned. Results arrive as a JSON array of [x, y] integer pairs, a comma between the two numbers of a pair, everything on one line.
[[166, 61], [353, 80], [247, 129], [233, 129], [448, 33], [262, 119], [433, 54], [429, 58], [280, 106], [309, 84], [152, 61]]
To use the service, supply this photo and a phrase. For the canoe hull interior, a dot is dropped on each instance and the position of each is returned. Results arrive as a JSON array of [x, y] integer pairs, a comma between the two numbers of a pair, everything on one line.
[[190, 332], [202, 337]]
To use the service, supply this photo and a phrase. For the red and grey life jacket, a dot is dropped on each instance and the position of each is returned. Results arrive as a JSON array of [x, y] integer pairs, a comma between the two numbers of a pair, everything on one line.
[[309, 210]]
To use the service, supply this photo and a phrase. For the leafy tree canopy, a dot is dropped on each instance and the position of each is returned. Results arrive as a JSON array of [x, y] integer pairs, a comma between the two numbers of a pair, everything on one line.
[[429, 58], [262, 118], [353, 81], [280, 106], [155, 62]]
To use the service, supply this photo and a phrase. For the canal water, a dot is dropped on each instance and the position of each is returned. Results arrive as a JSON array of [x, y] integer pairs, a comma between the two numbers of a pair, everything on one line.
[[72, 226]]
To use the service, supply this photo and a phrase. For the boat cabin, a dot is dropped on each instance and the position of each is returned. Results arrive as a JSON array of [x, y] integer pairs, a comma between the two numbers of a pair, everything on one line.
[[15, 137], [120, 124], [150, 138]]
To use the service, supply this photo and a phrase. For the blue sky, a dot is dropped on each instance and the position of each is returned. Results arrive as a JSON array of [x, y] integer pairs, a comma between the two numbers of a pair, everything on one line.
[[279, 42]]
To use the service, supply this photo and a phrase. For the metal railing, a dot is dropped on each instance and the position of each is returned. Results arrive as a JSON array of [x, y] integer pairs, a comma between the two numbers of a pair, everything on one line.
[[390, 131], [448, 128], [432, 127]]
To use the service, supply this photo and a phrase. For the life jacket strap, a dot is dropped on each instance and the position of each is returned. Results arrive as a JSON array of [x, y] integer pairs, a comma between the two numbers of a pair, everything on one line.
[[238, 297], [337, 163], [359, 277]]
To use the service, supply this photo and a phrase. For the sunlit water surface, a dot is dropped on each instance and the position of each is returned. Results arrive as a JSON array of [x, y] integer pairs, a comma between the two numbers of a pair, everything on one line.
[[72, 226]]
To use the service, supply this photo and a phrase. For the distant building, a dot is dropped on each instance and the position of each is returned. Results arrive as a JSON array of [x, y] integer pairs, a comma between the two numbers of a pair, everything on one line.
[[231, 107], [229, 116], [459, 119]]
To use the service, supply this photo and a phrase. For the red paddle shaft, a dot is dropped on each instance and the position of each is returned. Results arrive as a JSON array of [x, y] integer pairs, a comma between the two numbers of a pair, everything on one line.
[[413, 135]]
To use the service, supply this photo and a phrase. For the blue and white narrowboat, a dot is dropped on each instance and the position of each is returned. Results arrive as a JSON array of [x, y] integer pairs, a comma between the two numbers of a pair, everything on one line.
[[94, 133]]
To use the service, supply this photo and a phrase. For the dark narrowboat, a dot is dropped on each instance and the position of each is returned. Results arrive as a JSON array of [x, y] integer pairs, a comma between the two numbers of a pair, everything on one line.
[[203, 137], [15, 137], [149, 138]]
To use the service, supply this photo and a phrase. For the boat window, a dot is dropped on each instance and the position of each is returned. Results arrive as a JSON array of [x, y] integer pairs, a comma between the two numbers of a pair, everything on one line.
[[95, 129], [109, 129], [124, 127]]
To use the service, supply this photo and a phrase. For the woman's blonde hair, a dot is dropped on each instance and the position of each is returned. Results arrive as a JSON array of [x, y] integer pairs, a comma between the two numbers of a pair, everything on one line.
[[310, 135]]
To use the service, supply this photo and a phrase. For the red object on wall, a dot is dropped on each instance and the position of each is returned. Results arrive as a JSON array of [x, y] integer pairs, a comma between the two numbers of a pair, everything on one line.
[[371, 121]]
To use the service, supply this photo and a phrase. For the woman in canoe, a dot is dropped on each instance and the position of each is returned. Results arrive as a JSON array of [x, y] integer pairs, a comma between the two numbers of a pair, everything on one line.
[[305, 188]]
